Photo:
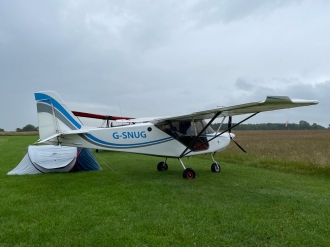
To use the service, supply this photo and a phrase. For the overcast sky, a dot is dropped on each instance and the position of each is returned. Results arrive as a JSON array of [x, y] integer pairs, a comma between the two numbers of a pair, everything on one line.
[[156, 58]]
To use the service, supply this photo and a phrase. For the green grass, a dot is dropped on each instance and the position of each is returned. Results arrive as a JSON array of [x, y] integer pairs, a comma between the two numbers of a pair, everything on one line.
[[135, 205]]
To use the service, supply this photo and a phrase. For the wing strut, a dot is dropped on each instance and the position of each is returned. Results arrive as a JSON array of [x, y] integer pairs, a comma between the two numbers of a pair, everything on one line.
[[184, 153], [200, 133]]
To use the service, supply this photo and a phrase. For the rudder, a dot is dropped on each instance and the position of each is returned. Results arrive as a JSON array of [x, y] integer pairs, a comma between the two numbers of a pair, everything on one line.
[[53, 115]]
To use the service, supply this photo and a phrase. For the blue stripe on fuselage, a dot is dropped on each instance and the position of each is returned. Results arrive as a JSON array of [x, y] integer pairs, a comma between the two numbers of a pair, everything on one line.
[[127, 145]]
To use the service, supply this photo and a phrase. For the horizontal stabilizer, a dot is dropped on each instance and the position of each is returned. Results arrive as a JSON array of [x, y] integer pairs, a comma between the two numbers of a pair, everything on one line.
[[69, 132]]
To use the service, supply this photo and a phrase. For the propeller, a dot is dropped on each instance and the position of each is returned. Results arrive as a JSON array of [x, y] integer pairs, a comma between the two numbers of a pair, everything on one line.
[[229, 129]]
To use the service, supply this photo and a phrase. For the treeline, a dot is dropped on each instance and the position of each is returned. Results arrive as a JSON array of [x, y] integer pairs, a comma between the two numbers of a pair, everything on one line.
[[27, 128], [302, 125]]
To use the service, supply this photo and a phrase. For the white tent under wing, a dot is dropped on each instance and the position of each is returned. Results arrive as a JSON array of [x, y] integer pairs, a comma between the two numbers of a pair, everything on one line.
[[49, 158], [24, 167], [53, 158]]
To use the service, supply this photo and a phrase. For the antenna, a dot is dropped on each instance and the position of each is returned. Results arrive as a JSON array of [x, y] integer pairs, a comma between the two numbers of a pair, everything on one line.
[[120, 109]]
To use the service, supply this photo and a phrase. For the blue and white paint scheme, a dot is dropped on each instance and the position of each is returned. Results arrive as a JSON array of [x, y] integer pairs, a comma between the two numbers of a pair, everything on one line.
[[168, 137]]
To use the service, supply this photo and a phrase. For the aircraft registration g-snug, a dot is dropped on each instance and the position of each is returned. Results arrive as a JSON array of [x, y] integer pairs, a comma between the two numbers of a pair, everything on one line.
[[167, 137]]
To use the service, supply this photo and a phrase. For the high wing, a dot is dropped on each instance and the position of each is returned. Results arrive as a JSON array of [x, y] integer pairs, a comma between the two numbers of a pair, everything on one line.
[[271, 103]]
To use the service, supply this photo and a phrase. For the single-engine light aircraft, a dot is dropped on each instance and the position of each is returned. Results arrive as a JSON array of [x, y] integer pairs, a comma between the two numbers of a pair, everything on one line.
[[167, 137]]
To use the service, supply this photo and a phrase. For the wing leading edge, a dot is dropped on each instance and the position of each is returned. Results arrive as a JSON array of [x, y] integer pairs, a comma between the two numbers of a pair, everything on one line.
[[270, 104]]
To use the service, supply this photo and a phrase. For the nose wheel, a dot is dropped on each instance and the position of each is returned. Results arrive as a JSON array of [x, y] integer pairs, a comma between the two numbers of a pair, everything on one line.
[[215, 167]]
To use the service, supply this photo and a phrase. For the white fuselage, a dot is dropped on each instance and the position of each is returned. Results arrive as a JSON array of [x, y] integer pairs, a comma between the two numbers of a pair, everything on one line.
[[166, 138], [143, 138]]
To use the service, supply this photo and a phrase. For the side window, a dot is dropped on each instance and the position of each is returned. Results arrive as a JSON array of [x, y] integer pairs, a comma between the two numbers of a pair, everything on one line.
[[184, 128], [186, 131], [199, 128], [164, 126], [208, 130], [191, 131]]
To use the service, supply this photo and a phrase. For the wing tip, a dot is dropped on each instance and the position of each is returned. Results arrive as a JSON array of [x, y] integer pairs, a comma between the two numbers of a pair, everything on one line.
[[282, 99]]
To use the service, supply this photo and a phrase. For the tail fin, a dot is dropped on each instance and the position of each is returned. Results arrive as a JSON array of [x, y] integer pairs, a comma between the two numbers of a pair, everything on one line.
[[53, 115]]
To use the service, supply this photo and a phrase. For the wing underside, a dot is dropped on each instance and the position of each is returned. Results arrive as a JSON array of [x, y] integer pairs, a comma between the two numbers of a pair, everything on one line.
[[271, 103]]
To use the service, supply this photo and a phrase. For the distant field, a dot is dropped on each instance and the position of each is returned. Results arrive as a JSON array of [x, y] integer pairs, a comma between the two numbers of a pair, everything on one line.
[[14, 133], [297, 150], [286, 204]]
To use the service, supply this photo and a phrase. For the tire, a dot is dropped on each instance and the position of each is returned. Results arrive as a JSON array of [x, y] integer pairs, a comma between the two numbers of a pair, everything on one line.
[[215, 167], [162, 166], [189, 173]]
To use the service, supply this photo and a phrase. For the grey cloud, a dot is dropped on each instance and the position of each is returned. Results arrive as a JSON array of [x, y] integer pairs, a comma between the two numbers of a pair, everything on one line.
[[312, 114], [243, 85], [150, 57], [226, 11]]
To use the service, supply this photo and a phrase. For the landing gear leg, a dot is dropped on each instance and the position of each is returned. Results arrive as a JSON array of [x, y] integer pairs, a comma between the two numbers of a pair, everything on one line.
[[162, 166], [215, 167], [188, 173]]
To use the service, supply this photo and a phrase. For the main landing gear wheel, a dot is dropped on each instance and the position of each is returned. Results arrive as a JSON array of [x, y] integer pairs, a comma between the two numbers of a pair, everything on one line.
[[162, 166], [189, 173], [215, 167]]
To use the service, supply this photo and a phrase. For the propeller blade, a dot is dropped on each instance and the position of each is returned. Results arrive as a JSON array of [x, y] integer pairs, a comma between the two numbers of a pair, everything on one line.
[[238, 145], [229, 123]]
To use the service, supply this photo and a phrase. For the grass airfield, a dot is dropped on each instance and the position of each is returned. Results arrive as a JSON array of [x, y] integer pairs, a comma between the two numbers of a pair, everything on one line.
[[269, 197]]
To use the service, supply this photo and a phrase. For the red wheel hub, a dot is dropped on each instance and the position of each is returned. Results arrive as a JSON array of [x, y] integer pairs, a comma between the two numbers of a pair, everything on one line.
[[190, 175]]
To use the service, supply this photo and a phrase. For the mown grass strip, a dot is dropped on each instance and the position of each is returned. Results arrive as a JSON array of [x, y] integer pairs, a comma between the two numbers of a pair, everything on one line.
[[138, 206]]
